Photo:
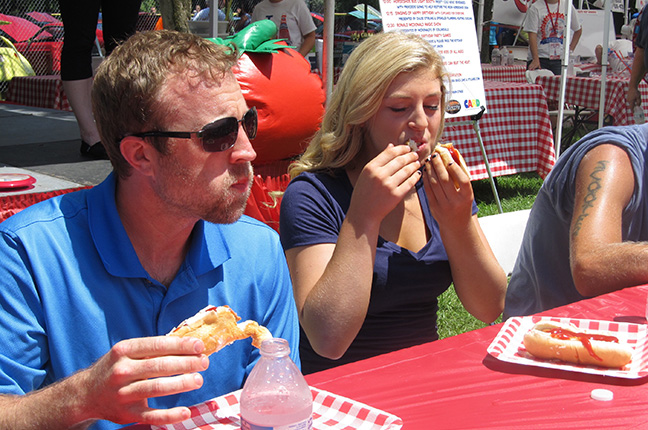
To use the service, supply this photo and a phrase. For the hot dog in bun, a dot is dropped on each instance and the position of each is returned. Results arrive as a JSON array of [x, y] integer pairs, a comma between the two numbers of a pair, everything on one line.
[[218, 327], [554, 341], [449, 154]]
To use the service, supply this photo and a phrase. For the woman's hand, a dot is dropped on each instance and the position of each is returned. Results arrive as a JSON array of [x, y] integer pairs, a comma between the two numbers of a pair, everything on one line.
[[383, 183], [450, 206], [478, 278]]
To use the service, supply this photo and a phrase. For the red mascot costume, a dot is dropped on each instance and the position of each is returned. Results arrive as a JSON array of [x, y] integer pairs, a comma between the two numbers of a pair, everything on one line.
[[290, 104]]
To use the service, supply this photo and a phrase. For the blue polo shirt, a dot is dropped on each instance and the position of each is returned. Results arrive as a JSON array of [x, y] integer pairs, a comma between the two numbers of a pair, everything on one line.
[[72, 286]]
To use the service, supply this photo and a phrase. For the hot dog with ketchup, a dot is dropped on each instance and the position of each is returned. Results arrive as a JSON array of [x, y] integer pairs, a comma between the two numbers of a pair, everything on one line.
[[554, 341], [449, 154]]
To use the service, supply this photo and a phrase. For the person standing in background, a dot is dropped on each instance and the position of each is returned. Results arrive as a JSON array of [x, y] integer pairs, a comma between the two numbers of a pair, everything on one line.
[[202, 12], [545, 24], [292, 15], [639, 64], [119, 18]]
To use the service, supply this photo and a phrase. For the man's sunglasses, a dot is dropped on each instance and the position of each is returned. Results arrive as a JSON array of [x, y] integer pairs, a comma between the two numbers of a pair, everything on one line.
[[217, 136]]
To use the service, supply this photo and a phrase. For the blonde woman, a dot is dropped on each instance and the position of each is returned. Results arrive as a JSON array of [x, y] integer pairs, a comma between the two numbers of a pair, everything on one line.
[[373, 233]]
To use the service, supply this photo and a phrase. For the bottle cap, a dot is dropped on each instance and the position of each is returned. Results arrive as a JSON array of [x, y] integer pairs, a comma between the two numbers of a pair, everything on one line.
[[602, 394]]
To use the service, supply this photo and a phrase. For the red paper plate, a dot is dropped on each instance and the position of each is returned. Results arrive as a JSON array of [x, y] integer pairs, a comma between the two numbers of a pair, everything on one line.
[[10, 181]]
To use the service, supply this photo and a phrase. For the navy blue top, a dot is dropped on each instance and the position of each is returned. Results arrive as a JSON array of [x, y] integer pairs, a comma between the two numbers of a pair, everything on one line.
[[403, 304]]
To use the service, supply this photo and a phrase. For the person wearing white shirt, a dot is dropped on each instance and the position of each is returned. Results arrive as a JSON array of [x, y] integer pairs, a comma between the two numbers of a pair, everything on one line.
[[298, 19]]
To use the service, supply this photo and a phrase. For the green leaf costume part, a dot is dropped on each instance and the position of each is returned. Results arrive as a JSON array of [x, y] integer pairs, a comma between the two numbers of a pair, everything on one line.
[[256, 37]]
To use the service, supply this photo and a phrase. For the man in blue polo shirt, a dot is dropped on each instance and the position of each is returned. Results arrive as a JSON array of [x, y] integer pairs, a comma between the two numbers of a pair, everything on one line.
[[92, 281]]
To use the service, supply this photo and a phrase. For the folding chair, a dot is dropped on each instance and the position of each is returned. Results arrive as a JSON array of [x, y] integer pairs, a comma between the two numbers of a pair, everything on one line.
[[576, 118]]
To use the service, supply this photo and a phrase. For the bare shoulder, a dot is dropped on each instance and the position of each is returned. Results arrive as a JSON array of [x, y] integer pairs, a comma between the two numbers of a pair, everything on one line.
[[607, 162], [604, 187]]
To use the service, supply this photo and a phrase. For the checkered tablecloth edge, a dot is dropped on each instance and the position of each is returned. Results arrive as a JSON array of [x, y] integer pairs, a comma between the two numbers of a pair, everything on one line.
[[330, 411]]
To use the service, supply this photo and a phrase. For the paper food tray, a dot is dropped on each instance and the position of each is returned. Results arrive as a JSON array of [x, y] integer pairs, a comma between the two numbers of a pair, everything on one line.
[[508, 345], [330, 412]]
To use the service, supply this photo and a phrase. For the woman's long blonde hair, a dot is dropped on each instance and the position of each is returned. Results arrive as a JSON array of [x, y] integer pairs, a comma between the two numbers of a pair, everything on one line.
[[367, 74]]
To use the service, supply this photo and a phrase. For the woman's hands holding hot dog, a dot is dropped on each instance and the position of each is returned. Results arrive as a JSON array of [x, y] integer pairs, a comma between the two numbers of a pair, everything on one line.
[[450, 206]]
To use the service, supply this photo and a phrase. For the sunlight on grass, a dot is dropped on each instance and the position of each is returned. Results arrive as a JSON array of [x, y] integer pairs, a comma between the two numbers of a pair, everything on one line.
[[453, 318]]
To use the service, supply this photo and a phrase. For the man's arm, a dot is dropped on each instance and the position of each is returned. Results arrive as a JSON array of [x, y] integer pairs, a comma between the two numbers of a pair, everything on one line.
[[533, 47], [116, 388], [600, 260], [575, 39], [637, 74], [307, 44]]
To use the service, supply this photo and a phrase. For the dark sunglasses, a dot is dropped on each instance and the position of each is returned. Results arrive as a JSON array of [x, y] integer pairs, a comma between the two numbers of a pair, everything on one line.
[[217, 136]]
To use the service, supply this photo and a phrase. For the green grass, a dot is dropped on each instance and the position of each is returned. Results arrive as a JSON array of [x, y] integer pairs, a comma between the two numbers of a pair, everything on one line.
[[516, 192]]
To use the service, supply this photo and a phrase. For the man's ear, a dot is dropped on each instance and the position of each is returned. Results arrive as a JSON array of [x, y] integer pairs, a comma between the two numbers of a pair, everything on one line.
[[138, 153]]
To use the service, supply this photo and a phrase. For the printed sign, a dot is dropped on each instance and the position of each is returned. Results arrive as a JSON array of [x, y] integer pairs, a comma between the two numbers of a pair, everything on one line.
[[449, 26]]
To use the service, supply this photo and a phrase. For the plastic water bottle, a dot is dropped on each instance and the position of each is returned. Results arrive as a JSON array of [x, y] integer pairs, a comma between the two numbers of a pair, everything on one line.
[[570, 66], [510, 58], [276, 395], [496, 57], [503, 56]]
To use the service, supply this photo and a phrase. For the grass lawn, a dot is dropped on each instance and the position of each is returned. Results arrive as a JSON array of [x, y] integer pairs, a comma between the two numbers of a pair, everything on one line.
[[516, 192]]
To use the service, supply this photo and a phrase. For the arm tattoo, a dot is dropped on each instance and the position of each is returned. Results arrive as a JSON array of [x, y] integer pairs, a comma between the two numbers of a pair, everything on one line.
[[592, 189]]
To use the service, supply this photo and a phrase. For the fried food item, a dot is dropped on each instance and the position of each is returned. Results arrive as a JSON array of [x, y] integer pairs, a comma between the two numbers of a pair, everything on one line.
[[218, 327]]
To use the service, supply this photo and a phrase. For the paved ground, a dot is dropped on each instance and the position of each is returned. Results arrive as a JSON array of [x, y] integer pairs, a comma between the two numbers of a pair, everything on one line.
[[45, 143]]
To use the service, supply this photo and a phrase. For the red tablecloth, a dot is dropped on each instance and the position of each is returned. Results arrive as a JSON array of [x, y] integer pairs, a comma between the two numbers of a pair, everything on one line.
[[516, 132], [455, 384], [12, 204], [515, 73], [39, 91], [585, 92]]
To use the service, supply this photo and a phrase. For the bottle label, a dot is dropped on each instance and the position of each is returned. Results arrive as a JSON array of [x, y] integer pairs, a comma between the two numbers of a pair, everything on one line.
[[302, 425]]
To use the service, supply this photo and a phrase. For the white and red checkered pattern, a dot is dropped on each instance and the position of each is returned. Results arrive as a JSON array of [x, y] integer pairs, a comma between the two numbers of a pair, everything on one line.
[[508, 345], [515, 73], [330, 411], [44, 91], [515, 130], [586, 92]]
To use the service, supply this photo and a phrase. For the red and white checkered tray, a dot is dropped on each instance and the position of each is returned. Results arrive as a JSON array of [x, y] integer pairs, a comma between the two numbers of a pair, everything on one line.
[[330, 411], [508, 345]]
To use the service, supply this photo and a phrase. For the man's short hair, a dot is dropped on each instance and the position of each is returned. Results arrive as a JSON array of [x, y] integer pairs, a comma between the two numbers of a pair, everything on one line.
[[126, 94]]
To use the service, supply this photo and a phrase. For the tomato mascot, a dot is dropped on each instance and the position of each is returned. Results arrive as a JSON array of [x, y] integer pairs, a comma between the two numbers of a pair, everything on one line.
[[290, 102]]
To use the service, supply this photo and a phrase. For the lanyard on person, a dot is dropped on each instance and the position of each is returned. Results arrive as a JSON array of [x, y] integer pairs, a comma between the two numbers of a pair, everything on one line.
[[555, 39], [553, 24]]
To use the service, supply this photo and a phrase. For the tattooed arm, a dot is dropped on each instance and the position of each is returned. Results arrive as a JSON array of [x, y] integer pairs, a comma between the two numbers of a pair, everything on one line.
[[600, 261]]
